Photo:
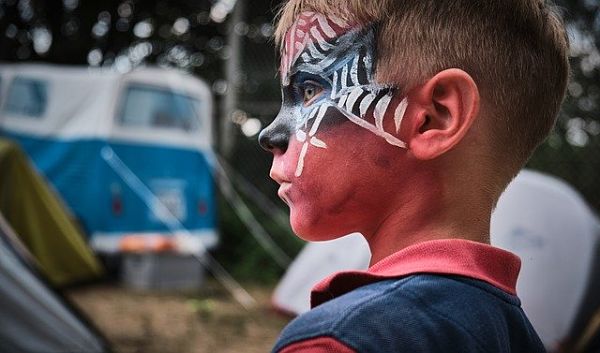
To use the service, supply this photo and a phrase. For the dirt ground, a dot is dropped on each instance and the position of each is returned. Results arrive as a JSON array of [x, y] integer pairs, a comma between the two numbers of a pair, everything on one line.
[[208, 321]]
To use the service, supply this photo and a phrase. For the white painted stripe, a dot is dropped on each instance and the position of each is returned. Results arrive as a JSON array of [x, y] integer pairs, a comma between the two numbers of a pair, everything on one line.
[[319, 38], [381, 109], [300, 166], [311, 115], [317, 143], [323, 65], [368, 67], [342, 100], [314, 112], [317, 35], [399, 113], [392, 140], [315, 52], [317, 123], [354, 71], [329, 32], [344, 77], [338, 21], [334, 85], [366, 103], [312, 16], [352, 98], [326, 46], [303, 45], [300, 135]]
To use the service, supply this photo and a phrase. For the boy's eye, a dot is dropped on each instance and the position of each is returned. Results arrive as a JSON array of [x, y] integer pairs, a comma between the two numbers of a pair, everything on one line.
[[310, 91]]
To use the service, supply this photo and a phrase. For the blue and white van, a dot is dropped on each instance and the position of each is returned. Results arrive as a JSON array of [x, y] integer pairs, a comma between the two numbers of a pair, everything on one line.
[[129, 153]]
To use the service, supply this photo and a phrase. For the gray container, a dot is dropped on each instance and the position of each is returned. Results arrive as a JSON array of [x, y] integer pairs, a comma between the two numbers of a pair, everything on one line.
[[161, 271]]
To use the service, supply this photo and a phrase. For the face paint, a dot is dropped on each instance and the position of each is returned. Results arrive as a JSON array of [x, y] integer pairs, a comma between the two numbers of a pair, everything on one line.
[[336, 58], [311, 33], [334, 140]]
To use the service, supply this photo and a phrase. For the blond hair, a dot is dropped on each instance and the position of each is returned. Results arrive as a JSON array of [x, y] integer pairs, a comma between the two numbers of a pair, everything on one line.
[[515, 50]]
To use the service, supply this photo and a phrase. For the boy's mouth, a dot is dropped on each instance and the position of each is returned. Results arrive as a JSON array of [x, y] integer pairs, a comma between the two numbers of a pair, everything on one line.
[[283, 191]]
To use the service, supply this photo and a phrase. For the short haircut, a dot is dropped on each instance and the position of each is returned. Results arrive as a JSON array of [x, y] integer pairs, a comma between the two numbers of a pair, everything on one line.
[[515, 50]]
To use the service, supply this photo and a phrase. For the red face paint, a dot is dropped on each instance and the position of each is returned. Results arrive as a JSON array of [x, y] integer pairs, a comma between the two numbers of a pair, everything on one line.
[[343, 189]]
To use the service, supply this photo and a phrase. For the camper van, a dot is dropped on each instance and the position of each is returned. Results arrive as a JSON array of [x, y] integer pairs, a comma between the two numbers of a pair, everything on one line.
[[129, 153]]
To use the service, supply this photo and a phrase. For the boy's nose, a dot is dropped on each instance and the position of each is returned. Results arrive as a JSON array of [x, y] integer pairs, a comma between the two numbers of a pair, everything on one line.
[[274, 138]]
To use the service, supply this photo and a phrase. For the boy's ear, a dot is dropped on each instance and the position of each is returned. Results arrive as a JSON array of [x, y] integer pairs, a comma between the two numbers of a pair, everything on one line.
[[443, 109]]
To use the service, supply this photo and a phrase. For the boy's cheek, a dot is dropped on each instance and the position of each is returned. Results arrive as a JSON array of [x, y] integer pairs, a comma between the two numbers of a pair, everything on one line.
[[311, 222]]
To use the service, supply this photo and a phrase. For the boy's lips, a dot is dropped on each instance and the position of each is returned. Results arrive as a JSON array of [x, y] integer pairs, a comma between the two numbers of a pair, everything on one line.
[[283, 191], [282, 175]]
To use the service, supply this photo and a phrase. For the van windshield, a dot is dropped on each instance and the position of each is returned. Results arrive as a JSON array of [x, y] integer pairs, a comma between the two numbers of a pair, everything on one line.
[[148, 106]]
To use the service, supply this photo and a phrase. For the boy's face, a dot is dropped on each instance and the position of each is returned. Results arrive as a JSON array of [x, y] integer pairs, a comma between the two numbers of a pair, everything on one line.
[[337, 168]]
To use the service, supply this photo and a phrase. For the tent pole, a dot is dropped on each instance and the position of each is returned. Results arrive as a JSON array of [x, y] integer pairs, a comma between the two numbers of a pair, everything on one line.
[[233, 73]]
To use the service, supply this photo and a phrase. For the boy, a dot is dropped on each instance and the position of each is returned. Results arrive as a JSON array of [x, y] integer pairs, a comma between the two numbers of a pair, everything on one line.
[[404, 120]]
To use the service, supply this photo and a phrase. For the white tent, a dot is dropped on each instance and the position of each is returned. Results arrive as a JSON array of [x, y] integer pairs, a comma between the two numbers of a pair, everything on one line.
[[540, 218], [556, 235], [34, 318], [315, 262]]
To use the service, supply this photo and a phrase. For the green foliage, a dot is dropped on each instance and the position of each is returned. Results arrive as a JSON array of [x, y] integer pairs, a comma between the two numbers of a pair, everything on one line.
[[579, 166], [572, 152]]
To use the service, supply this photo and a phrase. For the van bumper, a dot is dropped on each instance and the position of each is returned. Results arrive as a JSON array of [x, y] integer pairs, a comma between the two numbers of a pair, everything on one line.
[[184, 242]]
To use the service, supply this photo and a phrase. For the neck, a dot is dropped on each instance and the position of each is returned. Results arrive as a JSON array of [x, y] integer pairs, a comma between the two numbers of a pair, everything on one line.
[[436, 210]]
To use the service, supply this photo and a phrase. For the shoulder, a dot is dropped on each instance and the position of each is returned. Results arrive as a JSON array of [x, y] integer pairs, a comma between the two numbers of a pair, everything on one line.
[[423, 313], [333, 318]]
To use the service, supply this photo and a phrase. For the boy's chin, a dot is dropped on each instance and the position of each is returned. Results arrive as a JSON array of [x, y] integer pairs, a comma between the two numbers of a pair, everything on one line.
[[313, 231]]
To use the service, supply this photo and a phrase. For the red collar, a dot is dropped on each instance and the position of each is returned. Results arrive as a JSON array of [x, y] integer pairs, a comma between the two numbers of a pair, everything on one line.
[[460, 257]]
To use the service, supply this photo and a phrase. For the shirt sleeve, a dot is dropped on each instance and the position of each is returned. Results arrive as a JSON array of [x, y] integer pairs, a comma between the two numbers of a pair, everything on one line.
[[318, 345]]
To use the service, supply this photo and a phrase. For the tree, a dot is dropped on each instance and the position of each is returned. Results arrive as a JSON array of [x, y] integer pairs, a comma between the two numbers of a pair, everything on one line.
[[572, 152]]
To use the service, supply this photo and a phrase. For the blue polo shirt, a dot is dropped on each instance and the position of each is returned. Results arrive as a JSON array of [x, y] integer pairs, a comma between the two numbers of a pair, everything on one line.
[[437, 296]]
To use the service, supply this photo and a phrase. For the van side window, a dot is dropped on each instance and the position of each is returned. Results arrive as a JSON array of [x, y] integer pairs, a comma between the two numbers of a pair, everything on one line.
[[27, 97], [147, 106]]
